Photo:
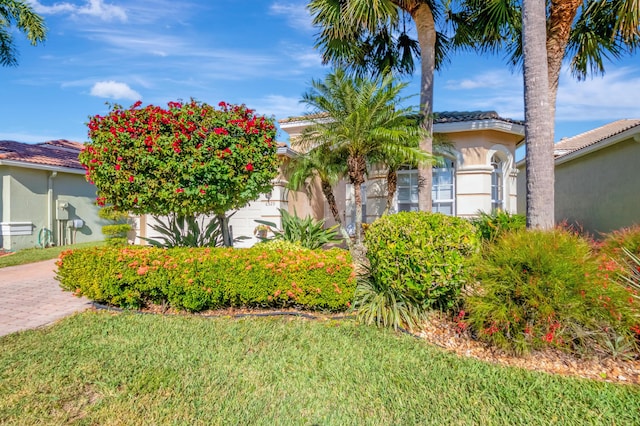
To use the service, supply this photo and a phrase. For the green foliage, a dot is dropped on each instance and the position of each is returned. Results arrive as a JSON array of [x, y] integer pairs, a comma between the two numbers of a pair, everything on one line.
[[116, 234], [422, 255], [493, 225], [20, 15], [187, 159], [377, 302], [307, 232], [197, 279], [190, 231], [615, 241], [541, 288], [280, 244]]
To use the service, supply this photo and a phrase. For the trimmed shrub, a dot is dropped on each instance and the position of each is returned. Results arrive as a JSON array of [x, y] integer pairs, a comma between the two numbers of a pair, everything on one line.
[[546, 288], [280, 245], [197, 279], [492, 225], [423, 255]]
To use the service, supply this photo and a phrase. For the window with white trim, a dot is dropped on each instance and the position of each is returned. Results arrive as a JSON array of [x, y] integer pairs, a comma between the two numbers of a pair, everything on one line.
[[443, 193], [407, 191], [497, 183]]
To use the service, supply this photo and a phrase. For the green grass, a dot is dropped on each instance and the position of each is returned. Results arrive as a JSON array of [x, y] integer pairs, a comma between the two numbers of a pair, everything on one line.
[[25, 256], [102, 368]]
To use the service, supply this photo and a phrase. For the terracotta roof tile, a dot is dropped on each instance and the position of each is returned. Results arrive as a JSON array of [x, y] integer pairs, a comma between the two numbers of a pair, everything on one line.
[[60, 153], [439, 117], [583, 140]]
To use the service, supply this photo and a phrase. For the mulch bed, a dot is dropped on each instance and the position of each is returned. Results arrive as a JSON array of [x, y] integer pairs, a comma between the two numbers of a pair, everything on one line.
[[443, 332]]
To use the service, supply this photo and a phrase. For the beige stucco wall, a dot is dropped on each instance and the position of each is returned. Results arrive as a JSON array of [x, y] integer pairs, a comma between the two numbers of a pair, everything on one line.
[[600, 190], [597, 191], [25, 200]]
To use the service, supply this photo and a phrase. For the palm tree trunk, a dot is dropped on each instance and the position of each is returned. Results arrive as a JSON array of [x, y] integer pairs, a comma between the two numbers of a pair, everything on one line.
[[331, 200], [561, 16], [392, 185], [357, 170], [425, 25], [538, 119]]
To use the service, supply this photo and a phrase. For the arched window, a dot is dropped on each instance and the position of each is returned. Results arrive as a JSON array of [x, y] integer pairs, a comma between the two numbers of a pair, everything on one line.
[[443, 194], [497, 183]]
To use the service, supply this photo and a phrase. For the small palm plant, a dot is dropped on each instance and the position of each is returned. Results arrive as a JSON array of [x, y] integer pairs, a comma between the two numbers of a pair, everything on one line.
[[307, 232]]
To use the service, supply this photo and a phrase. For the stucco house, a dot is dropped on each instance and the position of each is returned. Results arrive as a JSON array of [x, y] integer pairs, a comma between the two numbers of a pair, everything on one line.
[[44, 197], [478, 172], [597, 178]]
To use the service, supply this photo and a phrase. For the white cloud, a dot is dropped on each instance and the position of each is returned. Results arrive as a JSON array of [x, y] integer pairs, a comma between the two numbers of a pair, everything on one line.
[[610, 97], [278, 106], [114, 90], [93, 8], [296, 14], [487, 80]]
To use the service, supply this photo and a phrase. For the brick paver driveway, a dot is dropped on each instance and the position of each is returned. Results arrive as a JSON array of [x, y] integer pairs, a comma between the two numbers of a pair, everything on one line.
[[30, 297]]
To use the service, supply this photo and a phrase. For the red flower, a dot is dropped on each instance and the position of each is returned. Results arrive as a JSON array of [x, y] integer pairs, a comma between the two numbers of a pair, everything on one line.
[[249, 167], [117, 166], [179, 190], [130, 178]]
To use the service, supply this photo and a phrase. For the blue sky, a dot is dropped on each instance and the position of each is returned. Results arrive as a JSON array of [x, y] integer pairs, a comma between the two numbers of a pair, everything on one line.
[[259, 53]]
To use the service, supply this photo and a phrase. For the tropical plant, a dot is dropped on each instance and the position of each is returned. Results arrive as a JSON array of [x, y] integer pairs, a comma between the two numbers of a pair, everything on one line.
[[371, 37], [307, 232], [365, 122], [189, 159], [186, 231], [546, 288], [22, 15], [379, 302], [324, 163]]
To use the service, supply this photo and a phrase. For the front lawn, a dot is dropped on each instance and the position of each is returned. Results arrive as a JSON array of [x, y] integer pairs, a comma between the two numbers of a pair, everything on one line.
[[103, 368], [31, 255]]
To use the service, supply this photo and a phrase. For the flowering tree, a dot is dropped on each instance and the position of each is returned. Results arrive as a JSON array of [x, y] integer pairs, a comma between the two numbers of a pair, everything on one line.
[[189, 159]]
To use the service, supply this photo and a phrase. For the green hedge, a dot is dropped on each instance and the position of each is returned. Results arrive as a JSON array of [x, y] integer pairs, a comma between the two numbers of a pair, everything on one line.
[[197, 279]]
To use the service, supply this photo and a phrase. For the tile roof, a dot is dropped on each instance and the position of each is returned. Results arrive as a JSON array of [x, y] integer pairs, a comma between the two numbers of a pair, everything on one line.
[[59, 153], [439, 117], [583, 140]]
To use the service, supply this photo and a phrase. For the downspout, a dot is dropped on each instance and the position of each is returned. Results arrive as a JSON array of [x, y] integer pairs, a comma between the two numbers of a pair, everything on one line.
[[50, 202]]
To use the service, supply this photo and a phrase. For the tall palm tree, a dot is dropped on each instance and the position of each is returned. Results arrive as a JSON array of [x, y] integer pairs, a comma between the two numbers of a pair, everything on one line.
[[357, 34], [20, 14], [365, 121], [537, 114], [586, 32]]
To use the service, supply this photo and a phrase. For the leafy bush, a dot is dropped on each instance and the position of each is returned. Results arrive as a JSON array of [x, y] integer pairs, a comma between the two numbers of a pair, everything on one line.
[[615, 241], [280, 245], [186, 231], [422, 255], [492, 225], [197, 279], [308, 232], [540, 288], [116, 233]]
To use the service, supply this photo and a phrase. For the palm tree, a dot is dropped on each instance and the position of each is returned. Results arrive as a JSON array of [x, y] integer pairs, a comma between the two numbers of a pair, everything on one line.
[[357, 34], [26, 20], [584, 31], [364, 122], [537, 114], [322, 163]]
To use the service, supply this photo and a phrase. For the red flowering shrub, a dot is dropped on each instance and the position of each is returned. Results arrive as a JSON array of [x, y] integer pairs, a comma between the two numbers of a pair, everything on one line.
[[197, 279], [548, 288], [188, 159]]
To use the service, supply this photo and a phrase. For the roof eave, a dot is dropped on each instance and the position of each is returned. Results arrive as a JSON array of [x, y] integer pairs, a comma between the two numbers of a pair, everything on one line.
[[471, 125], [632, 133], [44, 167]]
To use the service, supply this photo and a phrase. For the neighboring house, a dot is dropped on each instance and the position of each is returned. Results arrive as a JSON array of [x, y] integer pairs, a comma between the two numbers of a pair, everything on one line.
[[44, 197], [597, 178], [477, 172]]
